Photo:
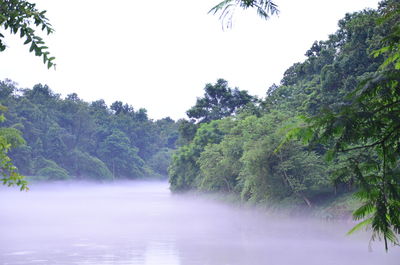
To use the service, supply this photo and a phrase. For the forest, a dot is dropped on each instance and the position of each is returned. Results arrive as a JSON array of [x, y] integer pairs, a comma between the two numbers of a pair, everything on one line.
[[58, 138], [330, 128]]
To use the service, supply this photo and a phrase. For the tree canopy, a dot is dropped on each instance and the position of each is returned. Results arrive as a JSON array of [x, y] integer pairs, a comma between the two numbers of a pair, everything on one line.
[[370, 123], [70, 138], [219, 101], [331, 127]]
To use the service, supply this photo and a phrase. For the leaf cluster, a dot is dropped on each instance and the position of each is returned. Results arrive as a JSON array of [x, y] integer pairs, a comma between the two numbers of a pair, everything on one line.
[[227, 8], [22, 17], [9, 138]]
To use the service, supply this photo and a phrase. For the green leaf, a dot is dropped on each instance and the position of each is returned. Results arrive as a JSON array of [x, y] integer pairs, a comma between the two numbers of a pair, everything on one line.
[[28, 40], [33, 46], [360, 225]]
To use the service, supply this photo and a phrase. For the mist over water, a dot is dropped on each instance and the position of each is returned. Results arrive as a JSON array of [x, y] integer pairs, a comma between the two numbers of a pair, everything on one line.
[[142, 223]]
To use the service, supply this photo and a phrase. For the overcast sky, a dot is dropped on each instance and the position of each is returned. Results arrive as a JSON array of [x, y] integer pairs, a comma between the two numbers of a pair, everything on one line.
[[160, 54]]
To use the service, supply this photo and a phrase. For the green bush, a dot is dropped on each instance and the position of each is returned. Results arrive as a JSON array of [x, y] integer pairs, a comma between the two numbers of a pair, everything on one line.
[[46, 169], [87, 166], [53, 173]]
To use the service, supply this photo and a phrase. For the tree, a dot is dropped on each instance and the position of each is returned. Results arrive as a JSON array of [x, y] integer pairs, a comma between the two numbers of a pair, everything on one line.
[[84, 165], [370, 122], [264, 8], [219, 101], [72, 138], [47, 169], [352, 101], [18, 16], [187, 131], [184, 169], [9, 138], [120, 157]]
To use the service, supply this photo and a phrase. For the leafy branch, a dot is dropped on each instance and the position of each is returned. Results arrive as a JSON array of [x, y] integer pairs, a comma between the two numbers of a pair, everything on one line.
[[9, 137], [264, 8], [19, 17]]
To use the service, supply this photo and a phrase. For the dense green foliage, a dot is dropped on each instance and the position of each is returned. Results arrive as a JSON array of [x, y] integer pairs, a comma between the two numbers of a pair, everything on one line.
[[68, 137], [9, 138], [219, 101], [330, 127], [367, 129], [18, 16]]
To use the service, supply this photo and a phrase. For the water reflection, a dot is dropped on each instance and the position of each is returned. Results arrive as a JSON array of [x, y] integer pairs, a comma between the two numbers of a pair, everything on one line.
[[163, 253], [142, 223]]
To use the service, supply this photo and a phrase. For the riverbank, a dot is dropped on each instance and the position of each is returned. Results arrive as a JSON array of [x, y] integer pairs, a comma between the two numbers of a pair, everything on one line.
[[329, 208], [338, 207]]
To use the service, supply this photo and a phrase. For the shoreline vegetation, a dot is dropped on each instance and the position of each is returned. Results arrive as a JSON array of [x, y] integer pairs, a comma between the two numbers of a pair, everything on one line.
[[64, 138], [338, 208], [329, 129], [325, 141]]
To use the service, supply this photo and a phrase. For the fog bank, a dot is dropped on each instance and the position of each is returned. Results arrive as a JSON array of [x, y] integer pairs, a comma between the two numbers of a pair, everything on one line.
[[142, 223]]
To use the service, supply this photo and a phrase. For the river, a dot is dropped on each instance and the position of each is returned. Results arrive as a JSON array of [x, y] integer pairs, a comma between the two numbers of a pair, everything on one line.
[[143, 223]]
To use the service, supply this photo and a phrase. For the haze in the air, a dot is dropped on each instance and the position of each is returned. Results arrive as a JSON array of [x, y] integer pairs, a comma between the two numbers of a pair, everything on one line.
[[104, 177], [142, 223]]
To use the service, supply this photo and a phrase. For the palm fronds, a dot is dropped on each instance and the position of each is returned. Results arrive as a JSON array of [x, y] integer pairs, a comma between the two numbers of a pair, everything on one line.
[[264, 8]]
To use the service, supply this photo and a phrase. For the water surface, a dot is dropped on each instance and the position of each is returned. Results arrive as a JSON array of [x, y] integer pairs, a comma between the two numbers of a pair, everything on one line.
[[142, 223]]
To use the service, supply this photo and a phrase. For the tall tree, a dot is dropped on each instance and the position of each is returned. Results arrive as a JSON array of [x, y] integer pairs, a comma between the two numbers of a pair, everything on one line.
[[219, 101]]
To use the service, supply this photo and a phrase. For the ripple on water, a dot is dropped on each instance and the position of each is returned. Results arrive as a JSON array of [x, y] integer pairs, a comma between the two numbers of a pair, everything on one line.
[[20, 253]]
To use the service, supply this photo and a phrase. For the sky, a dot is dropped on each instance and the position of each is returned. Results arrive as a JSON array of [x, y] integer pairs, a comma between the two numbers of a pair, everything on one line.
[[159, 54]]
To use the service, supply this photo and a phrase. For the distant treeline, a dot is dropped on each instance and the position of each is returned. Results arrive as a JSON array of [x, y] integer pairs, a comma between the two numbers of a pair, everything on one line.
[[249, 151], [71, 138]]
